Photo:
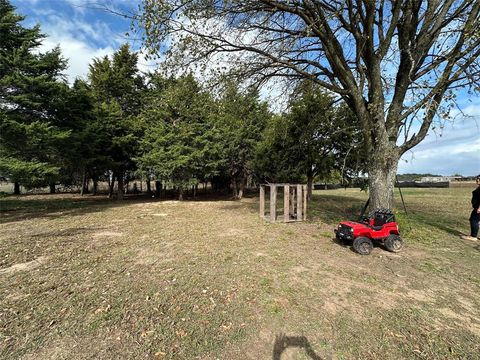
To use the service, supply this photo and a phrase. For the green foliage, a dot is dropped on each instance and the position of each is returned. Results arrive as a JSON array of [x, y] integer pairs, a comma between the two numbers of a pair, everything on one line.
[[171, 130], [190, 137], [118, 80], [275, 159], [31, 92], [116, 89], [180, 146], [314, 139], [241, 118], [31, 174]]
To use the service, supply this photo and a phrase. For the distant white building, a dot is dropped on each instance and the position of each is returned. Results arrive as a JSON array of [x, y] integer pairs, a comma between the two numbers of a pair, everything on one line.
[[441, 178]]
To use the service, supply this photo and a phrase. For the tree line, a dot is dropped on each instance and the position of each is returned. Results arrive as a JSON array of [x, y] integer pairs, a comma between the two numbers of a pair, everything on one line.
[[121, 124], [399, 65]]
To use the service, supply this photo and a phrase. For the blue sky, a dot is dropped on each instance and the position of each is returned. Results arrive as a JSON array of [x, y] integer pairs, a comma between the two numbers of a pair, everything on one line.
[[81, 28], [84, 32]]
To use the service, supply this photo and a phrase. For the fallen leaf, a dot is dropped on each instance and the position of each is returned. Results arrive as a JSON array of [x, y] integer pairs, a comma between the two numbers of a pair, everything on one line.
[[181, 333], [227, 326]]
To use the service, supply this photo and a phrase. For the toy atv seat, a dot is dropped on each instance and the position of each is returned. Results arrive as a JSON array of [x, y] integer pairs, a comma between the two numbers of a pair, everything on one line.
[[380, 226], [378, 218]]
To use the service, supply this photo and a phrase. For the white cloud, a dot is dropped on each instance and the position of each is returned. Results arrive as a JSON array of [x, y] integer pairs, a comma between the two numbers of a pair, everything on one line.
[[146, 65], [81, 28], [78, 53], [79, 40], [455, 150]]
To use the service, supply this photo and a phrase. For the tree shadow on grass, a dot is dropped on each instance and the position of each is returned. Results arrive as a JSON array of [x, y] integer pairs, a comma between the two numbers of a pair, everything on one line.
[[438, 221], [331, 209], [25, 207], [283, 342], [32, 207], [442, 226], [67, 233]]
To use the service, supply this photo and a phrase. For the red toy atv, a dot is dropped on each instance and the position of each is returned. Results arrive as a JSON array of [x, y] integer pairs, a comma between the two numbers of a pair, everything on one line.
[[379, 226]]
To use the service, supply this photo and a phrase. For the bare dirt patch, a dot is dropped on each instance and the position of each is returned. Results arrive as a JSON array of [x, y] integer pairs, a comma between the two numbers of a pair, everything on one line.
[[474, 327], [233, 232], [108, 234], [26, 266]]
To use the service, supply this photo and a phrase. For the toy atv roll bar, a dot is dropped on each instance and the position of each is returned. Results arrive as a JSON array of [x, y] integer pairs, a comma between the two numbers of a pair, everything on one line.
[[379, 226]]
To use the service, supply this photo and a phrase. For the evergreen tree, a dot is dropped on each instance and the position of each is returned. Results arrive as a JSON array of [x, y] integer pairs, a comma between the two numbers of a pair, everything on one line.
[[181, 147], [31, 88], [311, 140], [242, 117], [84, 155], [116, 87]]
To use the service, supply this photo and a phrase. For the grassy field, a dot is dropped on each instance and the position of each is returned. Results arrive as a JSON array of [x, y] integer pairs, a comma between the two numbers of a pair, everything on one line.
[[89, 278]]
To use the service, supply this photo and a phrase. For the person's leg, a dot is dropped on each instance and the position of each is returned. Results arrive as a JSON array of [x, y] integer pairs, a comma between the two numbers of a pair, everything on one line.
[[474, 219]]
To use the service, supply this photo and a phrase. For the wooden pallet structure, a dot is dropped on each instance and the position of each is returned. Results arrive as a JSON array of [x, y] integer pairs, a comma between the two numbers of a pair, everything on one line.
[[294, 202]]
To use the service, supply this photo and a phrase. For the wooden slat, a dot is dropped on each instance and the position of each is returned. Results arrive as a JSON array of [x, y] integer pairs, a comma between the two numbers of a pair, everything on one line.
[[273, 203], [262, 200], [286, 203], [299, 202], [292, 202], [305, 193]]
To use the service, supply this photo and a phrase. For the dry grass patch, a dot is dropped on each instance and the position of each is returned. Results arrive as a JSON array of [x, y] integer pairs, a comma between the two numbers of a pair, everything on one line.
[[210, 279]]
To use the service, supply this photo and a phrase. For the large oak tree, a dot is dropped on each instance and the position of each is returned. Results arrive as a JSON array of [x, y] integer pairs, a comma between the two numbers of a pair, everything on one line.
[[396, 63]]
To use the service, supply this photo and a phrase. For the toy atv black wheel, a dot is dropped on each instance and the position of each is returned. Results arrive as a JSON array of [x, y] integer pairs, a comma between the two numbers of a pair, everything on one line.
[[393, 243], [363, 245]]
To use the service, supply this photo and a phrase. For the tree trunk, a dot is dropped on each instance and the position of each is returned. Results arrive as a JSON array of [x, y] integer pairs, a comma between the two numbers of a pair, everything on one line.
[[158, 189], [180, 193], [111, 185], [381, 181], [52, 188], [234, 188], [195, 188], [16, 188], [84, 180], [95, 186], [120, 186], [309, 186], [149, 187], [241, 188]]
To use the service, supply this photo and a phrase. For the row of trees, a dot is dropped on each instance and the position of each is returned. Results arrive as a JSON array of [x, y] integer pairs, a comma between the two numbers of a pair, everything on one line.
[[397, 64], [121, 124]]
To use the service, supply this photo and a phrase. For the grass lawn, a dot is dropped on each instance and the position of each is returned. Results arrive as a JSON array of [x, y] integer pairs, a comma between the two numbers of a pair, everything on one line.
[[89, 278]]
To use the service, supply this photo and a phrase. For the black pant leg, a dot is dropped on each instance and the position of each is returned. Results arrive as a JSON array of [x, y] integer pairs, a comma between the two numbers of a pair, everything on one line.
[[474, 220]]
